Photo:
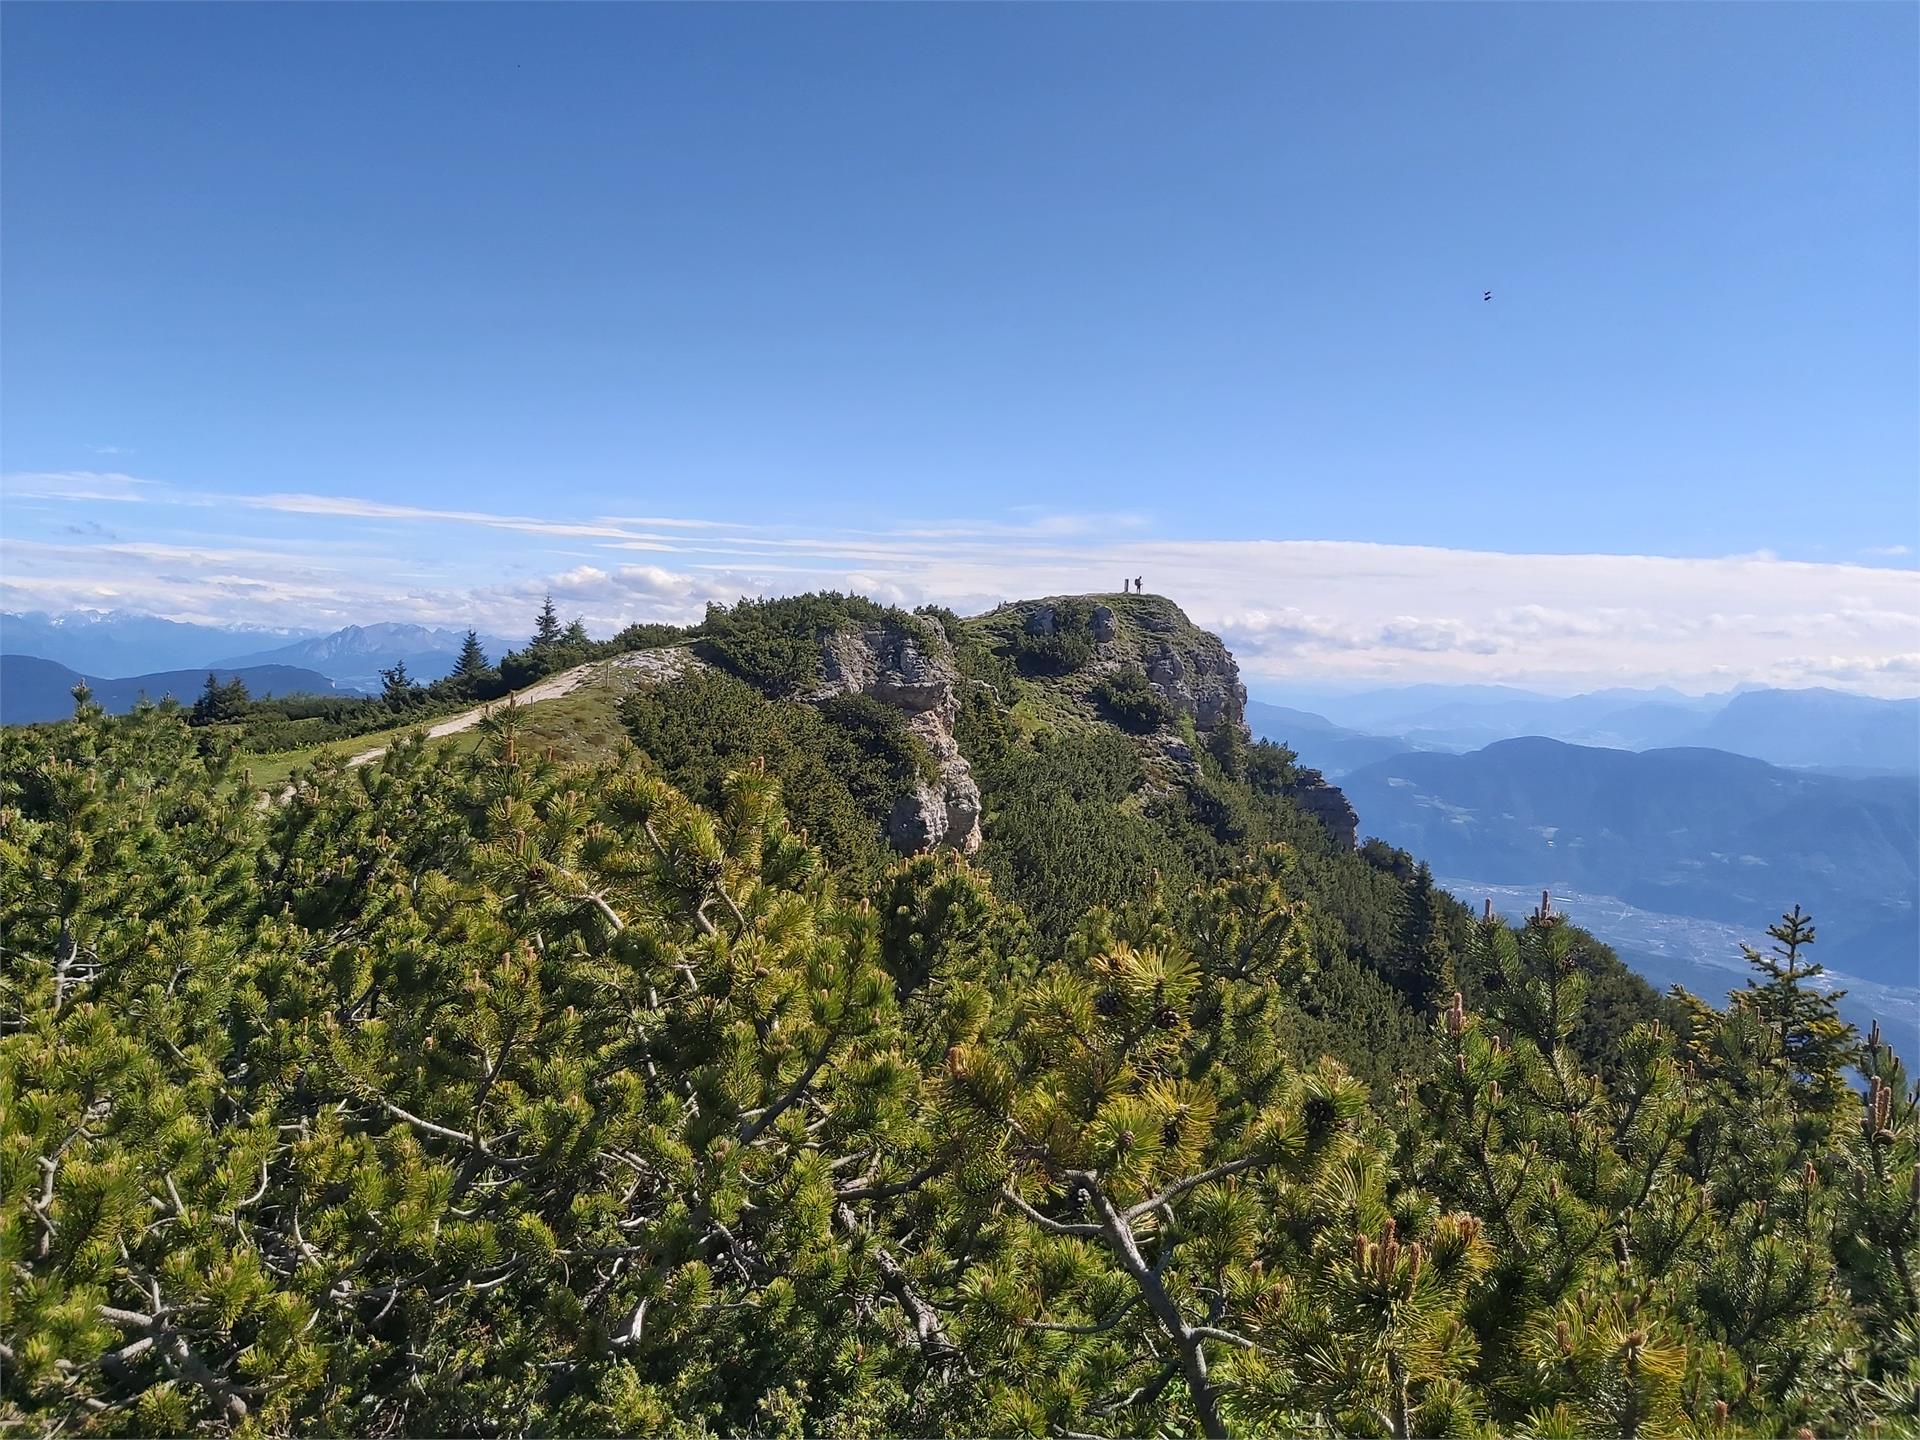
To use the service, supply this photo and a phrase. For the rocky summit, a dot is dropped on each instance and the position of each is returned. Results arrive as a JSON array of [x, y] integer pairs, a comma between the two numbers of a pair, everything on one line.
[[1081, 653]]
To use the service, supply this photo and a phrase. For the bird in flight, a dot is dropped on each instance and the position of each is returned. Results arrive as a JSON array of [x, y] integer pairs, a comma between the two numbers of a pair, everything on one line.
[[1487, 295]]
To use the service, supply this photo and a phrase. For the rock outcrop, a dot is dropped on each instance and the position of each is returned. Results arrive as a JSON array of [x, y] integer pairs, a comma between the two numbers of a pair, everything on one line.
[[912, 670], [1200, 685], [1190, 669], [1044, 619], [1328, 804]]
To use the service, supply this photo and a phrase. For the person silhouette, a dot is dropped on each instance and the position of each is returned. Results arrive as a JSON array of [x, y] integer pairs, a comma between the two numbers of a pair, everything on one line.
[[1136, 586]]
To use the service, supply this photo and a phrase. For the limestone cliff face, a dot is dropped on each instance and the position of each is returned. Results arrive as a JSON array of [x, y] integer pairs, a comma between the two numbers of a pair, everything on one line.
[[1203, 686], [912, 669]]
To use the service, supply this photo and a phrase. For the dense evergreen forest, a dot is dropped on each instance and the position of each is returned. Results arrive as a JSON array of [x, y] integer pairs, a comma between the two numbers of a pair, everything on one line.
[[477, 1092]]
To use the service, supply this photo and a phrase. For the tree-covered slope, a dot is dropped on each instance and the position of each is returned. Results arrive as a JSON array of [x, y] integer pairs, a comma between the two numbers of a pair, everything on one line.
[[473, 1093], [1077, 805]]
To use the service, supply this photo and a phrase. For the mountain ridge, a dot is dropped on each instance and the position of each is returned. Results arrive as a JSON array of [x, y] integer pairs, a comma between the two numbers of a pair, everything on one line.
[[1678, 830], [115, 644], [356, 654], [1811, 728], [34, 690]]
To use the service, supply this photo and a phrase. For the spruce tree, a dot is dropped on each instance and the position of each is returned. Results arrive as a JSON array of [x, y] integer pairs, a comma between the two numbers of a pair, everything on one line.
[[473, 660], [396, 686], [220, 703], [208, 707], [546, 626], [1815, 1044]]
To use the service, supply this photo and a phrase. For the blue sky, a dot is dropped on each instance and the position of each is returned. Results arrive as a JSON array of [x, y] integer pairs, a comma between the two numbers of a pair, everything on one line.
[[958, 302]]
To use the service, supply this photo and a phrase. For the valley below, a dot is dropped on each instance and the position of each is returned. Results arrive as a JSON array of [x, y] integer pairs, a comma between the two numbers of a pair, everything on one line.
[[1703, 956]]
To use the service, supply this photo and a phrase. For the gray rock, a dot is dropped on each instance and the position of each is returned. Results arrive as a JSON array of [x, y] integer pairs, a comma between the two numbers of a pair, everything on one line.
[[1329, 805], [1103, 627], [1168, 676], [1202, 686], [915, 674], [918, 820], [1220, 700], [888, 664], [963, 813]]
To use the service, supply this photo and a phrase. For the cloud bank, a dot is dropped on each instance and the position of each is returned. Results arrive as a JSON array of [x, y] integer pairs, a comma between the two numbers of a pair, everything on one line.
[[1295, 611]]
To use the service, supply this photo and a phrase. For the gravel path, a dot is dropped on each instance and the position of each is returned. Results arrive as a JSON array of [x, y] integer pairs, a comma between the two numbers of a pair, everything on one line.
[[635, 665]]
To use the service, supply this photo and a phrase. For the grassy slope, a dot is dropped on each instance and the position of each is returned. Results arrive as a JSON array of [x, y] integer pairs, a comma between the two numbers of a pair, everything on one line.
[[581, 728]]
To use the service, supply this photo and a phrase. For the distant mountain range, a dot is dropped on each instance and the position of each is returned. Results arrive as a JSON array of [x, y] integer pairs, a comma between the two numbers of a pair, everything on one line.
[[34, 690], [115, 643], [1815, 728], [1680, 832], [1331, 749], [356, 655], [1825, 728], [118, 646]]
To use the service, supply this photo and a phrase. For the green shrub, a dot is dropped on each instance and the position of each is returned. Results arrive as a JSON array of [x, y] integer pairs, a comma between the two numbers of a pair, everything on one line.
[[1062, 650], [1063, 834], [477, 1093], [646, 635], [1128, 699], [840, 765], [774, 645]]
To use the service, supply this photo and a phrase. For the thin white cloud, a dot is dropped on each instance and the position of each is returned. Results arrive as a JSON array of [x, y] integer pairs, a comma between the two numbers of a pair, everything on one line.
[[1039, 522], [78, 485], [349, 507], [1292, 609], [662, 523]]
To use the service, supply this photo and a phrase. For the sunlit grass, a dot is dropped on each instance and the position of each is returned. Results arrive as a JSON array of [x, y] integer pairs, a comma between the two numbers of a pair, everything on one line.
[[580, 728]]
